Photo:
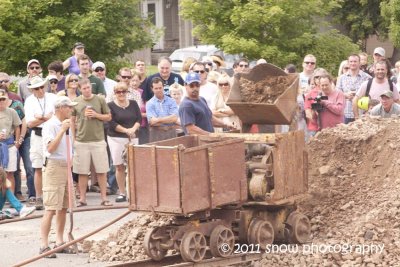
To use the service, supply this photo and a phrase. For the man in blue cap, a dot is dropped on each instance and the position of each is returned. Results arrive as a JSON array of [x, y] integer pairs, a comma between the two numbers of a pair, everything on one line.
[[194, 113]]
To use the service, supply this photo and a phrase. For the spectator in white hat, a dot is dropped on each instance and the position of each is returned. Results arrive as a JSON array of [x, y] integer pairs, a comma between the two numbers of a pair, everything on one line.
[[34, 69], [99, 70], [378, 55], [39, 108]]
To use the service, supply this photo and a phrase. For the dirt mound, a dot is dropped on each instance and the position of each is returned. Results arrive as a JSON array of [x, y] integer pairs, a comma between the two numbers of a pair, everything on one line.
[[264, 91], [354, 185], [127, 243]]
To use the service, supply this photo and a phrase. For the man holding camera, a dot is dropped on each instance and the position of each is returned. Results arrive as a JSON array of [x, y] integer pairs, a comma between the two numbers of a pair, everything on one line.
[[324, 108]]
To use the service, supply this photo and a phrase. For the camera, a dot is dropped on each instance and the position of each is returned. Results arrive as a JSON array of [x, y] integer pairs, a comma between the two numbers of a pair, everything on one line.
[[317, 106]]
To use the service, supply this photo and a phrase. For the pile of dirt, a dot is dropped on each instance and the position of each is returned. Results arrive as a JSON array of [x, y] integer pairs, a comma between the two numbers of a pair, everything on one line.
[[354, 185], [264, 91], [127, 243]]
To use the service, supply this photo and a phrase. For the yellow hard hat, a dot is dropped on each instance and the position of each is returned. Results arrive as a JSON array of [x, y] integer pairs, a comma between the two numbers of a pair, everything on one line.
[[363, 103]]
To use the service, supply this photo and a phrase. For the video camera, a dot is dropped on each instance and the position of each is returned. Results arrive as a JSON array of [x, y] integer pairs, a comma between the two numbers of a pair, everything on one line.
[[317, 106]]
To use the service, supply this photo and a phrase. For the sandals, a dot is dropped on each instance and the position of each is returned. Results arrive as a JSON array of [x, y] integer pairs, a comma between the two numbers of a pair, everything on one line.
[[81, 204], [44, 250], [66, 250], [106, 203]]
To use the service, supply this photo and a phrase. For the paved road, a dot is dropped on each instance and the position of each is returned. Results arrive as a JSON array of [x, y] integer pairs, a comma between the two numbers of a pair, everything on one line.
[[21, 240]]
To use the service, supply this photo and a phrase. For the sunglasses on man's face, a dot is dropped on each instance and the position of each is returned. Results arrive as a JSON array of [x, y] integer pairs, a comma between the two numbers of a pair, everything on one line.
[[4, 81], [2, 99], [199, 71], [126, 77], [53, 81], [309, 63], [99, 69], [34, 68]]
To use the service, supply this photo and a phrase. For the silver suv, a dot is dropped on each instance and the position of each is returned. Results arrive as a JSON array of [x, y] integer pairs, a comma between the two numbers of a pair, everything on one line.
[[198, 52]]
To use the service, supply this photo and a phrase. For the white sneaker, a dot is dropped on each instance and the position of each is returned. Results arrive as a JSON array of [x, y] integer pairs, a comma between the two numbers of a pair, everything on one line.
[[25, 211]]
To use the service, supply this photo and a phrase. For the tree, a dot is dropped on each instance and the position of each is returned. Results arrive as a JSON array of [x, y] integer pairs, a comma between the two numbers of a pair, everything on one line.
[[47, 29], [360, 18], [391, 13], [280, 31]]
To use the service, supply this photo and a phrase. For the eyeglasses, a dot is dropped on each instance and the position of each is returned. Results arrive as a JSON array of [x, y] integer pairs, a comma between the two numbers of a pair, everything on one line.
[[38, 88], [243, 65], [223, 84], [98, 69], [4, 81], [309, 63], [194, 84], [73, 80], [126, 77], [2, 99], [53, 82], [35, 68], [199, 71], [120, 92]]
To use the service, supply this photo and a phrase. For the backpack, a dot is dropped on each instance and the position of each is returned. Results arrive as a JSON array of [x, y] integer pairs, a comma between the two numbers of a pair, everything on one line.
[[370, 83]]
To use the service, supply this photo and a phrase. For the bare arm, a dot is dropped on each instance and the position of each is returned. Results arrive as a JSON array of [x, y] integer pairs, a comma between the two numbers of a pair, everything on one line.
[[17, 132], [66, 64], [158, 121], [355, 107], [193, 129], [73, 127]]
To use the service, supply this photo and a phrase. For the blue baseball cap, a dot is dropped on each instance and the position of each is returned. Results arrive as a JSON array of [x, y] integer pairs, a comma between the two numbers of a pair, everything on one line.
[[192, 77]]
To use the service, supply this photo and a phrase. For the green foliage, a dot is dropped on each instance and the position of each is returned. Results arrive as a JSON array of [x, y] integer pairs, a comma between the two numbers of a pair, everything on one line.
[[47, 29], [361, 18], [280, 31], [391, 13]]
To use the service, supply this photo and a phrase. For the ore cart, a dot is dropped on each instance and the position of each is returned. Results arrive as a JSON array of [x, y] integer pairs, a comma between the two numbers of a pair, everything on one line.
[[226, 188]]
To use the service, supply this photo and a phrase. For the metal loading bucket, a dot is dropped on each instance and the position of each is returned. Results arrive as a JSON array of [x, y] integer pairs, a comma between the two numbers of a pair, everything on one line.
[[281, 111]]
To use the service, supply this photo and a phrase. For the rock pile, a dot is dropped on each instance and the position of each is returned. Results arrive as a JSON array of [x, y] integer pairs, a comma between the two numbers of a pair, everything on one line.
[[127, 243], [354, 185]]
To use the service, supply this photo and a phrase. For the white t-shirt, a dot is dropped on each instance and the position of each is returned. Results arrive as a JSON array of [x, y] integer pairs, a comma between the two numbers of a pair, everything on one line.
[[39, 106], [377, 89], [208, 91], [49, 132]]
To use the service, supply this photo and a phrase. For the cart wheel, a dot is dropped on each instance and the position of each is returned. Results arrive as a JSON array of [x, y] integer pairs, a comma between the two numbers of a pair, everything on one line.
[[222, 241], [260, 232], [298, 228], [152, 244], [193, 246]]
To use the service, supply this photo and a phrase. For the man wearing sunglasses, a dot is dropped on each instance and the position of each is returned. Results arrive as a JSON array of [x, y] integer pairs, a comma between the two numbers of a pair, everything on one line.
[[194, 113], [34, 69], [55, 68], [208, 90], [99, 70], [241, 66], [167, 77], [39, 108], [5, 82], [84, 67]]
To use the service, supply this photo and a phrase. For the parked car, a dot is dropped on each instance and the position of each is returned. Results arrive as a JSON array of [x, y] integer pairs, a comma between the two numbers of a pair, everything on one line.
[[198, 52]]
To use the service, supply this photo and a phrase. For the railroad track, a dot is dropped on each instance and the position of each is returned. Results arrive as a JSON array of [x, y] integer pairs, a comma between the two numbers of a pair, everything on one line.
[[176, 261]]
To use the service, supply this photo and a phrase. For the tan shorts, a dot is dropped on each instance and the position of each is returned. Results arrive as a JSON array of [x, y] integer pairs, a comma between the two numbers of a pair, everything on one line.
[[55, 186], [12, 159], [117, 147], [36, 151], [84, 153]]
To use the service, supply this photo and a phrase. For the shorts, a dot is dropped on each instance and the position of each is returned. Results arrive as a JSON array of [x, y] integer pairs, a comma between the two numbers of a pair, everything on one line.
[[117, 147], [36, 151], [95, 152], [55, 185], [12, 159]]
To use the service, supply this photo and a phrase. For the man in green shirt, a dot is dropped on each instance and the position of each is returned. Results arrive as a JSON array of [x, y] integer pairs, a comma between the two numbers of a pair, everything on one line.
[[87, 127], [84, 66]]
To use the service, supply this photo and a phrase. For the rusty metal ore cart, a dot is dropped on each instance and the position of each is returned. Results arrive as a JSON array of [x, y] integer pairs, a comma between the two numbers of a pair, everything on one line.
[[222, 189]]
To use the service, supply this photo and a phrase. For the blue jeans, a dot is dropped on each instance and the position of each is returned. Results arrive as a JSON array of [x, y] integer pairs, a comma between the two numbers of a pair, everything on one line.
[[24, 153], [13, 200]]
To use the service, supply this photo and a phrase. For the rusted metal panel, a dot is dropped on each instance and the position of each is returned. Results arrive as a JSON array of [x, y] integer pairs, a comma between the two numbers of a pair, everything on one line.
[[176, 179]]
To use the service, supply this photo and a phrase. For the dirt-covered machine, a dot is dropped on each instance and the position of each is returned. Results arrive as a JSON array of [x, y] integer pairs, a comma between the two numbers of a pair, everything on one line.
[[226, 189]]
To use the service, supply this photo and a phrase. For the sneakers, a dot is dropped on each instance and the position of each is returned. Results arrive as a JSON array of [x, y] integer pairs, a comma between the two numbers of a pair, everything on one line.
[[32, 201], [121, 198], [44, 250], [39, 203], [20, 197], [25, 211]]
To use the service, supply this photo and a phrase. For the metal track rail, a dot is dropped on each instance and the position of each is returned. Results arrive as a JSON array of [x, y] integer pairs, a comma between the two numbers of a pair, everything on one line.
[[176, 261]]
